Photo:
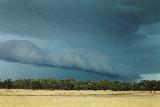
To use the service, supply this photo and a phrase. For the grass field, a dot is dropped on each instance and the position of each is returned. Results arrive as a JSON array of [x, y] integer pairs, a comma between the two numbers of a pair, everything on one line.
[[39, 98]]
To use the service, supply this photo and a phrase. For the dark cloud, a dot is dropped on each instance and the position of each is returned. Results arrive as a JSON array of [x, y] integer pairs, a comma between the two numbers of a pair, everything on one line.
[[25, 52], [118, 28], [117, 20]]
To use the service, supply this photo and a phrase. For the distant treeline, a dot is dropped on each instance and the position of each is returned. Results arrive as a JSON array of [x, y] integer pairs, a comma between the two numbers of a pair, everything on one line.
[[71, 84]]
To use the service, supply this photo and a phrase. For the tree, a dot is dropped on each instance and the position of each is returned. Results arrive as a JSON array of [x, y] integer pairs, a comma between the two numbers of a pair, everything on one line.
[[7, 84]]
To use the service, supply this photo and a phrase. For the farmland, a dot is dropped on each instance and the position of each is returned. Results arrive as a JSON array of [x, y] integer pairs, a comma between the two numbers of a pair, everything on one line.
[[86, 98]]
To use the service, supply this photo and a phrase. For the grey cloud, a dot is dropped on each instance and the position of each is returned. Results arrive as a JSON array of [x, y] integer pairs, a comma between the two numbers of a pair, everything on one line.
[[118, 20], [107, 26], [23, 51]]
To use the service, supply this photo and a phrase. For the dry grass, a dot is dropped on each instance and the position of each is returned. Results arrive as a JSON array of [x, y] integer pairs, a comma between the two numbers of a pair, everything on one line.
[[30, 98]]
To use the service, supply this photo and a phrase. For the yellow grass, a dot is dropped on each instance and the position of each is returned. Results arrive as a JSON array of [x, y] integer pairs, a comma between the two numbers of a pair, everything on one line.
[[30, 98]]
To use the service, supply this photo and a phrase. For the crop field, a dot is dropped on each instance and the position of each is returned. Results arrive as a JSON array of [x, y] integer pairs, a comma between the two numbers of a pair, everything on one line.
[[57, 98]]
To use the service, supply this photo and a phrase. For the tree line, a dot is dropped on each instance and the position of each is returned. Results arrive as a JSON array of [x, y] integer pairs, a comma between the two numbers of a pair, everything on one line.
[[71, 84]]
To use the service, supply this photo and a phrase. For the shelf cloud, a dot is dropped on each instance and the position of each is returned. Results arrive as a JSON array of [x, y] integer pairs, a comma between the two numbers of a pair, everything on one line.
[[25, 52], [124, 33]]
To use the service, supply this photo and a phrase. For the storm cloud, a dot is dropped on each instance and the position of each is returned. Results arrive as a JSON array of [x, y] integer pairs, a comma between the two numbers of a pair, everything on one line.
[[114, 20], [25, 52], [124, 32]]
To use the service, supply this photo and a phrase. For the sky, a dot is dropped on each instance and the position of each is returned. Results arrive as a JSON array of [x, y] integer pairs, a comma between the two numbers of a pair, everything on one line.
[[80, 39]]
